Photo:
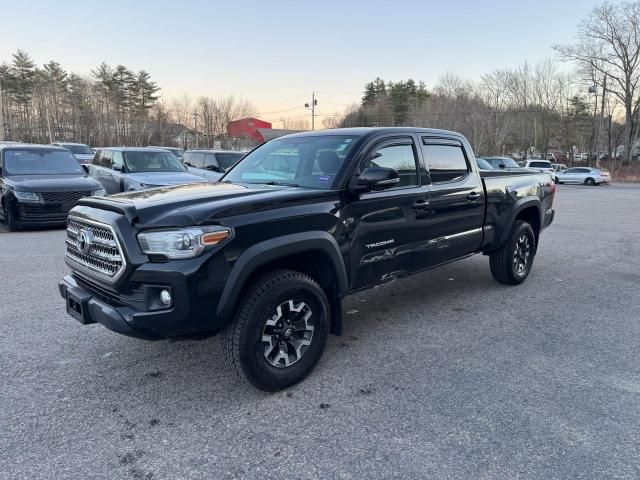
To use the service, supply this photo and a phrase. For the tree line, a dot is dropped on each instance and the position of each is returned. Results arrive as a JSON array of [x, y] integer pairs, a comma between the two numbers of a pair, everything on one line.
[[113, 105], [534, 108]]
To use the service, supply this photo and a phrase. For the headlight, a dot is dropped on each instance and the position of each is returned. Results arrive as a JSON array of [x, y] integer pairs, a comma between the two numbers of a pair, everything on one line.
[[26, 196], [182, 243], [101, 192]]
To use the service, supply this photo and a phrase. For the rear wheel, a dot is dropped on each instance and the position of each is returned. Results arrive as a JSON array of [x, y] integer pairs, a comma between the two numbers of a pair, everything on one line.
[[279, 330], [589, 181], [512, 263]]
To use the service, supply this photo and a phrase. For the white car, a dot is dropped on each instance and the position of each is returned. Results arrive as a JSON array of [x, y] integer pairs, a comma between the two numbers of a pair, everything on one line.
[[540, 165], [588, 176]]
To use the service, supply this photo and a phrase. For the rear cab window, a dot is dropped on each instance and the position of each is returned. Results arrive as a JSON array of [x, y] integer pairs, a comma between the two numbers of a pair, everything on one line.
[[445, 160]]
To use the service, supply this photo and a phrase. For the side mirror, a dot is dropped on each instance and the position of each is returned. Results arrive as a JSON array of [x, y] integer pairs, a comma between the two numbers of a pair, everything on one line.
[[213, 168], [502, 165], [117, 167], [378, 178], [85, 167]]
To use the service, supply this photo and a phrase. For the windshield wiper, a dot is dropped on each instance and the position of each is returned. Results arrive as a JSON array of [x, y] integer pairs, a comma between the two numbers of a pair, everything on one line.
[[272, 182]]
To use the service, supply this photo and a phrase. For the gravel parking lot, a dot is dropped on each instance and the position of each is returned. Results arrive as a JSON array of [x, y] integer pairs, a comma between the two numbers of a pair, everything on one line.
[[444, 375]]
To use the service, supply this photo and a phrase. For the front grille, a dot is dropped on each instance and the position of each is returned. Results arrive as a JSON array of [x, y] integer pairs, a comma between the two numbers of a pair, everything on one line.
[[63, 197], [93, 248]]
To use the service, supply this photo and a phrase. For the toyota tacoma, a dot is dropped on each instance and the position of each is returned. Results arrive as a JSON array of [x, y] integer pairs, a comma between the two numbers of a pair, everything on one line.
[[267, 254]]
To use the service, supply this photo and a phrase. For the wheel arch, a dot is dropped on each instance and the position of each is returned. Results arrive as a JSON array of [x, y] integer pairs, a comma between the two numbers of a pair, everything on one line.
[[528, 210], [314, 253]]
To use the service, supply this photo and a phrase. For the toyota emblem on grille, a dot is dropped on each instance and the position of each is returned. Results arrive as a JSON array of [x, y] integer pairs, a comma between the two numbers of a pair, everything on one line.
[[85, 239]]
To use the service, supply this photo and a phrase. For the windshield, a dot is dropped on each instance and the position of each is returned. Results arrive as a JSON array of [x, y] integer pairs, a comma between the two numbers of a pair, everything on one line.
[[228, 160], [507, 162], [311, 161], [151, 161], [40, 161], [483, 164], [77, 149]]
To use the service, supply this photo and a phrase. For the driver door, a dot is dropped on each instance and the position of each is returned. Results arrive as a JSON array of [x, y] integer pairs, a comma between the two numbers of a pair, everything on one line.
[[387, 226]]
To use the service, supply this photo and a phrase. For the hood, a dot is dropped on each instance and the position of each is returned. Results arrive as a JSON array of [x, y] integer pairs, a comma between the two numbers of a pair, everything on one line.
[[162, 179], [202, 202], [53, 183]]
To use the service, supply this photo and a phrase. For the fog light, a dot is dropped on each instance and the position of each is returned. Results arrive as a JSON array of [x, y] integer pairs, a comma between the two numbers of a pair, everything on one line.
[[165, 297]]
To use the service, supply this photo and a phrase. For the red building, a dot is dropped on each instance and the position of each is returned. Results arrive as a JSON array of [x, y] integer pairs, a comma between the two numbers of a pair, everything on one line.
[[247, 128]]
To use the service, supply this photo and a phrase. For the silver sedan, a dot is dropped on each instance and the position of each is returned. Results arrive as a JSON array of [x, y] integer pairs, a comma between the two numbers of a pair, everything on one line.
[[588, 176]]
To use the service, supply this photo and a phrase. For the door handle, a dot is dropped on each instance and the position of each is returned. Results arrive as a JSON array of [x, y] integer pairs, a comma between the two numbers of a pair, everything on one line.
[[420, 205], [473, 196]]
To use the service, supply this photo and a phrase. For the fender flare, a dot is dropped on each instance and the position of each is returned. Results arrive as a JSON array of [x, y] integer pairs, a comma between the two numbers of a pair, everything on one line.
[[261, 253], [518, 207]]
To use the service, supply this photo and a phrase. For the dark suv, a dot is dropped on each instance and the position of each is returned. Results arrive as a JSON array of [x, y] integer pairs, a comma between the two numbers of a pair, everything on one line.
[[39, 184]]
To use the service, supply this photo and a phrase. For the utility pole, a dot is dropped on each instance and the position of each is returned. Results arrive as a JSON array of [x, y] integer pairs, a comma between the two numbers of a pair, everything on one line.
[[314, 102], [1, 117], [195, 120]]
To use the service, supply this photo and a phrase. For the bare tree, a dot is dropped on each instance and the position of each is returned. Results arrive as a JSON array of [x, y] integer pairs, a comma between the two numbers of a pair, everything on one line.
[[608, 41]]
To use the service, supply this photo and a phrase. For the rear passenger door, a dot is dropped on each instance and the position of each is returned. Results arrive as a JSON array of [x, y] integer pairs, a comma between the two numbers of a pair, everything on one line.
[[457, 201]]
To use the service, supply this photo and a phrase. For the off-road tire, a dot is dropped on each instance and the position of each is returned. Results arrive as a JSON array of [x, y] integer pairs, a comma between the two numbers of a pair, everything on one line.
[[501, 262], [242, 339]]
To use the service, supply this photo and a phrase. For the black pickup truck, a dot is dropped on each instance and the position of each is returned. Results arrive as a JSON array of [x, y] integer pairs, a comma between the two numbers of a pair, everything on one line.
[[268, 254]]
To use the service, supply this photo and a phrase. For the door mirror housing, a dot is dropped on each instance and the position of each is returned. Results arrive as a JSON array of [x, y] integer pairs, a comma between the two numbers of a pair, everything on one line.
[[378, 178], [118, 168]]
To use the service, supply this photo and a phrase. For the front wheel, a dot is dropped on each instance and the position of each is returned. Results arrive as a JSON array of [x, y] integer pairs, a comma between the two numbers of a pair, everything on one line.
[[512, 263], [279, 330], [9, 217]]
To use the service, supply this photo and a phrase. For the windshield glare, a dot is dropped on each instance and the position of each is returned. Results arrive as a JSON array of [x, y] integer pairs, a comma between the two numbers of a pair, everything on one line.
[[151, 161], [78, 149], [40, 161], [311, 161]]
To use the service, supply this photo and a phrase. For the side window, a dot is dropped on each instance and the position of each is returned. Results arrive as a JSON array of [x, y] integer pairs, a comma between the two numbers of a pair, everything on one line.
[[446, 163], [399, 157], [210, 162], [198, 160], [117, 160]]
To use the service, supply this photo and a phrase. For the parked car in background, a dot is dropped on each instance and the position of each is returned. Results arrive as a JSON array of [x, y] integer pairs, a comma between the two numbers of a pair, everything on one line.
[[501, 162], [587, 176], [79, 150], [559, 167], [178, 152], [211, 164], [540, 165], [483, 164], [124, 169], [39, 184]]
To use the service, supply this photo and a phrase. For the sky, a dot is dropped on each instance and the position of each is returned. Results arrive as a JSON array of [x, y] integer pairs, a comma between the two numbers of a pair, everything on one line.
[[276, 53]]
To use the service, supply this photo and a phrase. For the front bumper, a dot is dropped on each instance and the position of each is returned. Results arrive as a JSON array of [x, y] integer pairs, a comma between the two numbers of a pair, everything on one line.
[[38, 214]]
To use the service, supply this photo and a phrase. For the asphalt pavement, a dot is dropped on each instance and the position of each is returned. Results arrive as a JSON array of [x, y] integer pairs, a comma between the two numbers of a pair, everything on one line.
[[445, 375]]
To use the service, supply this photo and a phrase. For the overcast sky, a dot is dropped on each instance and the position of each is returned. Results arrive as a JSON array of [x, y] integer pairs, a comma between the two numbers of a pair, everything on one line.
[[270, 51]]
